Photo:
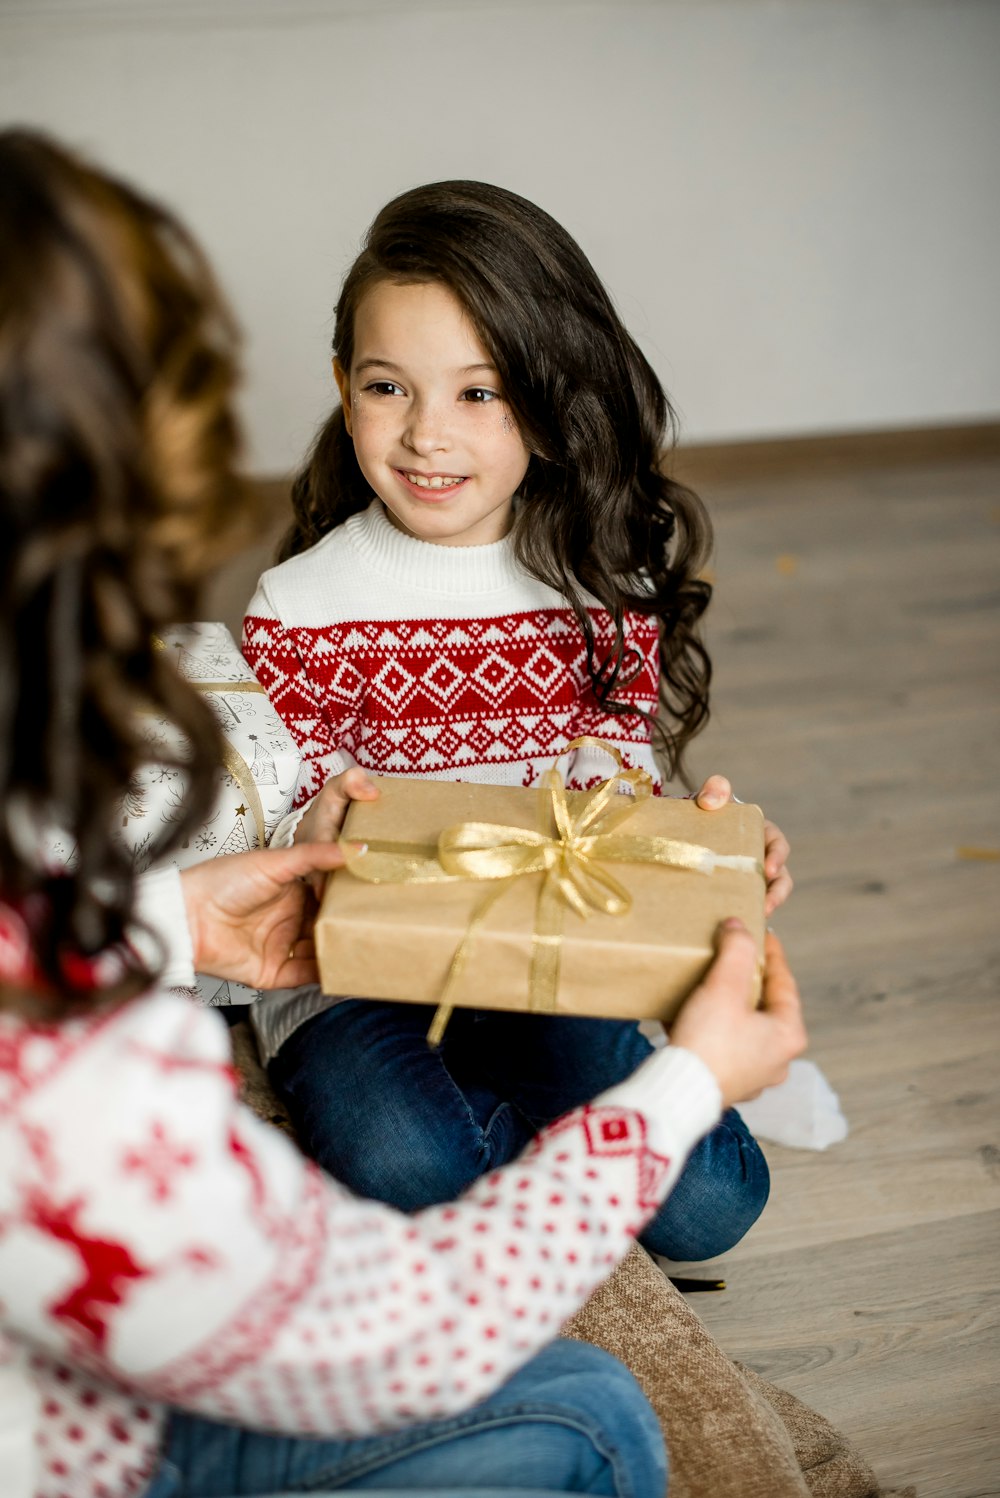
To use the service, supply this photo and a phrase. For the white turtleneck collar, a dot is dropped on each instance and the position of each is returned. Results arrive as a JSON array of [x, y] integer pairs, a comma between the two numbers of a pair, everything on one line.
[[453, 570]]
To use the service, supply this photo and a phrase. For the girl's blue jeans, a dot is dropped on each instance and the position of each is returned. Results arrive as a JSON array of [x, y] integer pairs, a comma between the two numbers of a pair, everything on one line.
[[573, 1420], [402, 1123]]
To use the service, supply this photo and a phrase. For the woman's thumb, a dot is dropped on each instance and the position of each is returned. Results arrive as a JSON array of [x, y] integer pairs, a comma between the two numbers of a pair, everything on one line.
[[735, 963]]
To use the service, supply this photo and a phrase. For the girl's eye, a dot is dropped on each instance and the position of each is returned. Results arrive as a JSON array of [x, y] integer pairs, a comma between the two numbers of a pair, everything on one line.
[[479, 395], [384, 387]]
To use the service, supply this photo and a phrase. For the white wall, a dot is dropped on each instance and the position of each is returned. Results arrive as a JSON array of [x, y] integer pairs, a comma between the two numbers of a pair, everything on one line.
[[795, 202]]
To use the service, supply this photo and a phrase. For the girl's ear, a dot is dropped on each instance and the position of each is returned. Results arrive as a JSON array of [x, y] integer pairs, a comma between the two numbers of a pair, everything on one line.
[[343, 380]]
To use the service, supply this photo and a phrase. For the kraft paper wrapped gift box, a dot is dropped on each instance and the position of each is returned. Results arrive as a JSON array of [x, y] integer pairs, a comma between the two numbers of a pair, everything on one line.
[[256, 780], [397, 941]]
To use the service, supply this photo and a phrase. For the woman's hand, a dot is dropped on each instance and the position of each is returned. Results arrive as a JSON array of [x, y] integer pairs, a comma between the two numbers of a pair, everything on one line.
[[325, 817], [718, 792], [250, 914], [747, 1049]]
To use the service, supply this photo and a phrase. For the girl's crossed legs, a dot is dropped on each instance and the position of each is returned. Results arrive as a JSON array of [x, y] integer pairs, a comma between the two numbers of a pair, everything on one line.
[[573, 1420], [405, 1124]]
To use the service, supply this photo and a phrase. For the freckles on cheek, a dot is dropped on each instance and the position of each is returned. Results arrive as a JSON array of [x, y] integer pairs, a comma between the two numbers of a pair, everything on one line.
[[365, 417]]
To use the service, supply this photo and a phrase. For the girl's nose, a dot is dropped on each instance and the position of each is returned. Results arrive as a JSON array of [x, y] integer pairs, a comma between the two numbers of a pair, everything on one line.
[[427, 429]]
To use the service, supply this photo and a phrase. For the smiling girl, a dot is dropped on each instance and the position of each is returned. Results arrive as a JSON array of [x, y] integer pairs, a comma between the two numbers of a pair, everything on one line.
[[486, 562], [432, 435]]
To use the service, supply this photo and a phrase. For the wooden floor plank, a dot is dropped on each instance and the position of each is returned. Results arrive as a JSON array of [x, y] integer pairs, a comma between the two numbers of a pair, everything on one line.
[[915, 1331], [856, 633]]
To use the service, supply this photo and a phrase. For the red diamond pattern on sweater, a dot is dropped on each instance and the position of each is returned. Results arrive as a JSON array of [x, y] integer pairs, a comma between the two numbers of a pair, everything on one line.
[[419, 696], [443, 680]]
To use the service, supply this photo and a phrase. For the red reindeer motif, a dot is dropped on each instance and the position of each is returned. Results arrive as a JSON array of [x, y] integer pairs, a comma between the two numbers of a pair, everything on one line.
[[108, 1268]]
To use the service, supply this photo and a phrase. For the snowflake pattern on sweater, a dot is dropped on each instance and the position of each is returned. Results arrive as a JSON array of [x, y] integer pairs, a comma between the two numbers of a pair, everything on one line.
[[160, 1246], [447, 662]]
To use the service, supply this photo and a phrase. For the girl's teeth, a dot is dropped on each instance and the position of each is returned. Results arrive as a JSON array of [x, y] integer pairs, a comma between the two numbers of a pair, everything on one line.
[[434, 483]]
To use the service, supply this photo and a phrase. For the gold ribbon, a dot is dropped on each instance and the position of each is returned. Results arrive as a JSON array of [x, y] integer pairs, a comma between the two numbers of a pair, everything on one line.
[[240, 771], [568, 853], [224, 686]]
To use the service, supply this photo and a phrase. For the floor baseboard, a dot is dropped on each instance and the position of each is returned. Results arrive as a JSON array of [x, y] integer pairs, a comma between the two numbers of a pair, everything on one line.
[[832, 452], [720, 466]]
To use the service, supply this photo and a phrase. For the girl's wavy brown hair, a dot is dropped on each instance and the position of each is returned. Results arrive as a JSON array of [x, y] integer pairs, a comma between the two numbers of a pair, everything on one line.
[[596, 510], [117, 491]]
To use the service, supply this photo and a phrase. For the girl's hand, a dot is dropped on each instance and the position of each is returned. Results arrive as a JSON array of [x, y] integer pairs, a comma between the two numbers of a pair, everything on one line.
[[718, 792], [325, 817], [747, 1049], [250, 914]]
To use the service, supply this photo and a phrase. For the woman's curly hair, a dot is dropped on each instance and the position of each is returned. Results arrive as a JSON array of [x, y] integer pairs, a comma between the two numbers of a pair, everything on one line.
[[596, 510], [117, 491]]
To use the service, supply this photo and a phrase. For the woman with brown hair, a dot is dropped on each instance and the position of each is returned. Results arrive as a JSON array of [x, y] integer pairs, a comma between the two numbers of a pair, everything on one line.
[[187, 1306]]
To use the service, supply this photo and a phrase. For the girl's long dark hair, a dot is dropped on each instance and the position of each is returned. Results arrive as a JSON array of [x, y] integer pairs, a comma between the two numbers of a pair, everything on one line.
[[117, 445], [596, 510]]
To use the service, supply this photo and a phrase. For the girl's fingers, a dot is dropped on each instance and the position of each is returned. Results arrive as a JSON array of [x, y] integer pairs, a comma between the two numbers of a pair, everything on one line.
[[776, 849], [714, 793], [323, 820], [779, 881], [778, 891], [357, 786]]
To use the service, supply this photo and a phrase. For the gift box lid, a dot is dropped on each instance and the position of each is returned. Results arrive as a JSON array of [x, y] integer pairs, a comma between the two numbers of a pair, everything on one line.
[[398, 940]]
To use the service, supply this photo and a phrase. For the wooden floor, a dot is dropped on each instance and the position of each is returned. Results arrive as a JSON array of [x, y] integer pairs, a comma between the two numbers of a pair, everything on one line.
[[856, 635]]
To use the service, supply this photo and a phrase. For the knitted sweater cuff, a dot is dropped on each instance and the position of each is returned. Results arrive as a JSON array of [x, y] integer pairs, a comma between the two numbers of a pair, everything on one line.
[[160, 910], [676, 1093]]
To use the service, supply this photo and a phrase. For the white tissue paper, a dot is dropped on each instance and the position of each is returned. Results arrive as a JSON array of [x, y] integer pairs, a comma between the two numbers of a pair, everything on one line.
[[802, 1112]]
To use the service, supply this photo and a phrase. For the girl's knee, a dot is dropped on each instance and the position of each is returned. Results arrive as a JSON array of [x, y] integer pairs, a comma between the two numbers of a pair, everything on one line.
[[721, 1192], [749, 1178], [604, 1411], [408, 1174]]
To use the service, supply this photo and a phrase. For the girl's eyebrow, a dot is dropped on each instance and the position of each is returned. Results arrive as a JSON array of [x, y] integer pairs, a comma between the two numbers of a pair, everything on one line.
[[396, 369], [378, 364]]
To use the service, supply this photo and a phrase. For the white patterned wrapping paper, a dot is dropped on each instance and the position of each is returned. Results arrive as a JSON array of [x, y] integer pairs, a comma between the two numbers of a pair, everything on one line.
[[256, 782]]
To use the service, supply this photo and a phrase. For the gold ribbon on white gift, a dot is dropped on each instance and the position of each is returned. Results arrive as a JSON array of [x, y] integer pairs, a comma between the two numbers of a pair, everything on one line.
[[569, 851]]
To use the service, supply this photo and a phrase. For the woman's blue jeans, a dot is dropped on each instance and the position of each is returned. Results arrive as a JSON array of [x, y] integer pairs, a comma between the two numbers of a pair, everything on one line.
[[402, 1123], [573, 1420]]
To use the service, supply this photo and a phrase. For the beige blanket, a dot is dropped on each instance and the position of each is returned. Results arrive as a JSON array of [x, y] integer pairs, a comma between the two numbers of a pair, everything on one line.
[[729, 1433]]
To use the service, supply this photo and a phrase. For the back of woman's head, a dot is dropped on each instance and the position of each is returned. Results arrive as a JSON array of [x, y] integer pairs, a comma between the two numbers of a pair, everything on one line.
[[117, 445], [596, 511]]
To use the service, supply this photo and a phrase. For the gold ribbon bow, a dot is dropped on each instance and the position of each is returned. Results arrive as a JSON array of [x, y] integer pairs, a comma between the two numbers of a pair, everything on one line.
[[579, 836]]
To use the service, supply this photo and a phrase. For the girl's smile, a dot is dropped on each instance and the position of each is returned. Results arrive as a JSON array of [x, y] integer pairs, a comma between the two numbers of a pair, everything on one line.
[[432, 486], [431, 429]]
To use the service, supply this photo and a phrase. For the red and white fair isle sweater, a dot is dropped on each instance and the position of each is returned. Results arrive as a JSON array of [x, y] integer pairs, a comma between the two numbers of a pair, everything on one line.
[[448, 662], [445, 662], [159, 1246]]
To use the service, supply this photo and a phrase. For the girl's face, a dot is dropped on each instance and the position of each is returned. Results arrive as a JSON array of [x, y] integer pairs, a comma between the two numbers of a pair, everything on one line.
[[431, 429]]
